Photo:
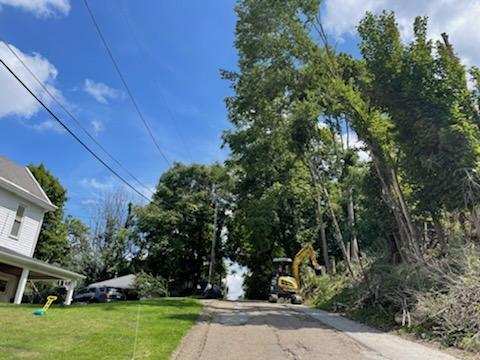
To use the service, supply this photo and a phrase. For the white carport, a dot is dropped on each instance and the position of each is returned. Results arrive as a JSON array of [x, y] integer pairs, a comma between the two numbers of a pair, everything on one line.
[[126, 282]]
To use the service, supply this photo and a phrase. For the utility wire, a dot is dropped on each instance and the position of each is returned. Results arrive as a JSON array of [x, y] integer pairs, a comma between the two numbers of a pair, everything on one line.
[[85, 146], [147, 53], [124, 82], [69, 113]]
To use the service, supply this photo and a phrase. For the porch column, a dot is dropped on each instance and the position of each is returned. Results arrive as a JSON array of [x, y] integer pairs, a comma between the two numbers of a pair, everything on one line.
[[69, 296], [22, 282]]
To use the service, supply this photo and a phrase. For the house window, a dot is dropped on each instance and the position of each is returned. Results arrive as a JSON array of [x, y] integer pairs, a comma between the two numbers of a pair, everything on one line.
[[17, 223]]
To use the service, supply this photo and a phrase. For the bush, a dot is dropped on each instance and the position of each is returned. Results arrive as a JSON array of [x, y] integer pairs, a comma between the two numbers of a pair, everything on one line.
[[323, 291], [442, 296], [38, 293], [452, 313], [150, 286]]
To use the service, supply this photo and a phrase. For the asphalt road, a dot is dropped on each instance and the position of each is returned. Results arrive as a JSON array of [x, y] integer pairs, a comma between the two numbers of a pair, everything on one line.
[[259, 330]]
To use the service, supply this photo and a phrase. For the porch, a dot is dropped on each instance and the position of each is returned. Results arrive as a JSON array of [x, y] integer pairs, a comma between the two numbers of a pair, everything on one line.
[[16, 269]]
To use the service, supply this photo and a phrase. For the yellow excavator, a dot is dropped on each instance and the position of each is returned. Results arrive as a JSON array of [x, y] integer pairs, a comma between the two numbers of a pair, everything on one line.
[[285, 282]]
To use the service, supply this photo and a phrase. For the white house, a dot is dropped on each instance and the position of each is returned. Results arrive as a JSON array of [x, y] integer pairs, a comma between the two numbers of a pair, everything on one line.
[[23, 204]]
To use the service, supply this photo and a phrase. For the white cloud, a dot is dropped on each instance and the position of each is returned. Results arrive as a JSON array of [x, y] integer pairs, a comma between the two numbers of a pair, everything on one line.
[[14, 99], [98, 126], [100, 91], [353, 142], [49, 125], [41, 8], [95, 184], [458, 18]]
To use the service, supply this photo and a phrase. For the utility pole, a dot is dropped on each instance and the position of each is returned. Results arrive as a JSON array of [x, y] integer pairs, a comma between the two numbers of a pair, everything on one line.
[[214, 237]]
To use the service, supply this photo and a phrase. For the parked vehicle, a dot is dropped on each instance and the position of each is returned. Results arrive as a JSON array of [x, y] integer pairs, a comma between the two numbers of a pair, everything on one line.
[[212, 292], [98, 294]]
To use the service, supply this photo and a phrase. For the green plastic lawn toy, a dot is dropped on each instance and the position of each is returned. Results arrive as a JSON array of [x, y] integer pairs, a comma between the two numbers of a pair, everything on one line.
[[42, 311]]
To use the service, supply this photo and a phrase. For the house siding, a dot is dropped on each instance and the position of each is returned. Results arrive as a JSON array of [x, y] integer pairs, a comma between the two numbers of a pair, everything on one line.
[[31, 224]]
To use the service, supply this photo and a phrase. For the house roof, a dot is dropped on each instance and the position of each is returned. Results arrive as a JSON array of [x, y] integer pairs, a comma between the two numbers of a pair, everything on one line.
[[14, 258], [121, 282], [19, 180]]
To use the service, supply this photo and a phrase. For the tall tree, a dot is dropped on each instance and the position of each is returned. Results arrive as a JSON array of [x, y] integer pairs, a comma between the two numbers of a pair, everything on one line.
[[270, 219], [177, 226], [52, 245], [423, 87]]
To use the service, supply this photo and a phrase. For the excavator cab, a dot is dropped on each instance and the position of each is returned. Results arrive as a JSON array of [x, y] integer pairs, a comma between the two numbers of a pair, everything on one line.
[[285, 282]]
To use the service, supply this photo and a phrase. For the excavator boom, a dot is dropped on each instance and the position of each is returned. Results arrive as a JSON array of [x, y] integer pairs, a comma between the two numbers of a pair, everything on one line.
[[307, 252]]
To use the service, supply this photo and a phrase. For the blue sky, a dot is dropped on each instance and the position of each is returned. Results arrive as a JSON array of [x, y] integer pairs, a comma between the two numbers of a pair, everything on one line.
[[170, 52]]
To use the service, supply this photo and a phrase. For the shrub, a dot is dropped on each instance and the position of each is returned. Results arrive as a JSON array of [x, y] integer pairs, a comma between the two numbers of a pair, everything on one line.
[[442, 295], [321, 291], [150, 286], [452, 313]]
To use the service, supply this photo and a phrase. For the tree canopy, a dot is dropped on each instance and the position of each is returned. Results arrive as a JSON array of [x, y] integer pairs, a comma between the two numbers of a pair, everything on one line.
[[52, 245], [177, 226]]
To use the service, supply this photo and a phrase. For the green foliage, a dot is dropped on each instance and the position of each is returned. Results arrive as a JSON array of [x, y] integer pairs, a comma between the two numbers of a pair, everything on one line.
[[150, 286], [323, 291], [177, 226], [423, 88], [108, 248], [52, 245], [442, 297], [409, 103]]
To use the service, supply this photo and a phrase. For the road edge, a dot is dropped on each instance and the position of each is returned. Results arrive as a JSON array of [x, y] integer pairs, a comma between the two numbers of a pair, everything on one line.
[[198, 330], [387, 345]]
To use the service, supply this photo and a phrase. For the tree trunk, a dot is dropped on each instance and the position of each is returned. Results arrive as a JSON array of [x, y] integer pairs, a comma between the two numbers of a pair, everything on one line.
[[394, 200], [413, 232], [319, 217], [323, 239], [396, 256], [351, 225], [338, 233], [333, 266], [442, 239], [359, 115]]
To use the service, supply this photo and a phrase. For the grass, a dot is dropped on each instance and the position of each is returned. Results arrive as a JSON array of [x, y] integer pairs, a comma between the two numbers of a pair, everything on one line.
[[96, 331]]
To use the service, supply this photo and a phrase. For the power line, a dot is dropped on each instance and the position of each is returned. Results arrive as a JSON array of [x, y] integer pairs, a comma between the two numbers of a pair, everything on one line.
[[146, 52], [85, 146], [124, 82], [79, 124]]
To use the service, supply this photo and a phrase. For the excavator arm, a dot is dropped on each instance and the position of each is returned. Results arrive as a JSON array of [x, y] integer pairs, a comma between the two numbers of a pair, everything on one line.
[[307, 252]]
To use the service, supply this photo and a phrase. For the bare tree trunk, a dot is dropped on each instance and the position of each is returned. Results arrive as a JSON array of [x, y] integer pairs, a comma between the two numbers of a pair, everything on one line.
[[359, 115], [323, 236], [355, 252], [475, 223], [426, 238], [351, 225], [319, 217], [334, 266], [442, 239], [413, 232], [393, 197], [338, 233]]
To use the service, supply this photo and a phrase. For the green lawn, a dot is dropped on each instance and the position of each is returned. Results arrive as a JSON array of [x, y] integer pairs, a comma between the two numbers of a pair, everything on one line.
[[97, 331]]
